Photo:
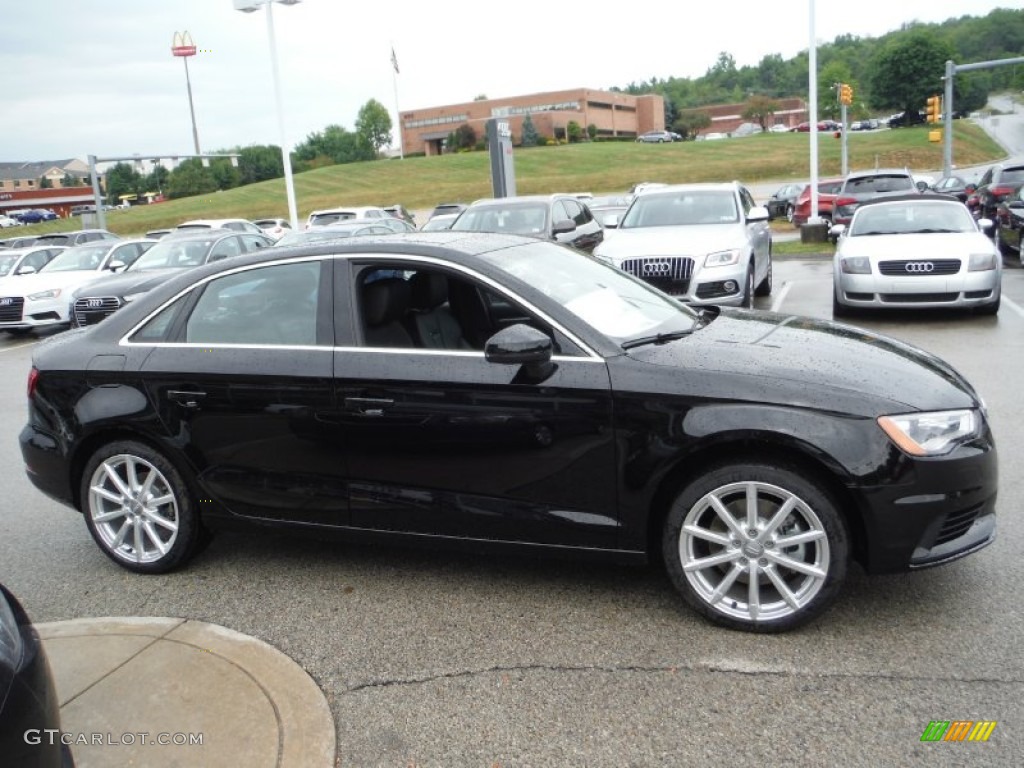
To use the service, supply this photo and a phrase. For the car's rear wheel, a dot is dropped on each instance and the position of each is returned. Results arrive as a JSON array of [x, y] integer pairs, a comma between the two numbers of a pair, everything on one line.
[[789, 213], [756, 546], [139, 509]]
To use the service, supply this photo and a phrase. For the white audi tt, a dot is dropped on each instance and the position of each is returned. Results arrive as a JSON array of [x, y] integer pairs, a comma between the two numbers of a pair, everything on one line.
[[912, 252]]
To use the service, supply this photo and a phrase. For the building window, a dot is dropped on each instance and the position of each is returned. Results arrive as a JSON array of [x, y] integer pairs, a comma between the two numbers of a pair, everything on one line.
[[17, 183]]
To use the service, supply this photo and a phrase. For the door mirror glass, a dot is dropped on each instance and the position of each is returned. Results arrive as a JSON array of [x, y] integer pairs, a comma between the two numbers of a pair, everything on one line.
[[563, 227], [518, 344]]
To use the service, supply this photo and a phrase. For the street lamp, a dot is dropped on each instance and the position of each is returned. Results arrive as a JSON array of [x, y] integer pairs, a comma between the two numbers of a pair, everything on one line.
[[248, 6]]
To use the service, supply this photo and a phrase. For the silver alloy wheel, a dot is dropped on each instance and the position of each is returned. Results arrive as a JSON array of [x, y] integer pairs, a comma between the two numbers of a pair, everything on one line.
[[754, 551], [133, 508]]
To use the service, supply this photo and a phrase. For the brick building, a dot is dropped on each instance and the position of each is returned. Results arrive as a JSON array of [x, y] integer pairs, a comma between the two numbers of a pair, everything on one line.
[[726, 118], [21, 185], [612, 113]]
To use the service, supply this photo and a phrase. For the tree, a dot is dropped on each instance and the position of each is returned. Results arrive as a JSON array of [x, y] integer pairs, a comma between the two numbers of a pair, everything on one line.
[[157, 179], [592, 131], [190, 178], [480, 97], [259, 162], [45, 183], [224, 173], [465, 137], [690, 124], [909, 69], [828, 97], [760, 109], [373, 124], [122, 179], [530, 136], [573, 132]]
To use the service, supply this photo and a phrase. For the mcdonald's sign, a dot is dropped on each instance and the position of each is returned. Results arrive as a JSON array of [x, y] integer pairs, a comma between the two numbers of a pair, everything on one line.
[[183, 45]]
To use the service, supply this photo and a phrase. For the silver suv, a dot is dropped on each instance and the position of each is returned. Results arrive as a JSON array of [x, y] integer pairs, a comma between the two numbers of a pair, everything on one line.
[[861, 186], [705, 243]]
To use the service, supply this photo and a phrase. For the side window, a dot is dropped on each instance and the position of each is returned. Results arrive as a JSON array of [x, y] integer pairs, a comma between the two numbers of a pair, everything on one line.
[[372, 215], [157, 328], [37, 260], [267, 306], [127, 254], [229, 246], [746, 201], [575, 211], [237, 226], [559, 212], [253, 242]]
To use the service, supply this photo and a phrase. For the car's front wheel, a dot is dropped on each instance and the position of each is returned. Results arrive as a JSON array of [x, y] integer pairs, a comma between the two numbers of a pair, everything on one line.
[[789, 213], [139, 509], [747, 302], [756, 546], [764, 288]]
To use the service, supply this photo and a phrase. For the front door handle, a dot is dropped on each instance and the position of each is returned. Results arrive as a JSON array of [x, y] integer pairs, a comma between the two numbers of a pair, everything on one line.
[[368, 406], [185, 399]]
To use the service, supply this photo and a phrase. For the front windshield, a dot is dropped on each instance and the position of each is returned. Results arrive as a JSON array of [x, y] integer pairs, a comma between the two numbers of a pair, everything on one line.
[[174, 254], [513, 219], [686, 207], [912, 218], [82, 257], [315, 236], [607, 299]]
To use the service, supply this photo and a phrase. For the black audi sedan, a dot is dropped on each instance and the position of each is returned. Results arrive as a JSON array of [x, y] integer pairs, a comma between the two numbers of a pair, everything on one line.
[[29, 707], [502, 392]]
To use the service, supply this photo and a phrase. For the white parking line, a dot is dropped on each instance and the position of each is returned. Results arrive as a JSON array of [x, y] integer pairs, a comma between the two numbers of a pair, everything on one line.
[[19, 346], [1014, 306], [781, 296]]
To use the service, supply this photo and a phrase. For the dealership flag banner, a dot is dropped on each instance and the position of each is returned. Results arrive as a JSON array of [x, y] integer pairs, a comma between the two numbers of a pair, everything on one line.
[[394, 60]]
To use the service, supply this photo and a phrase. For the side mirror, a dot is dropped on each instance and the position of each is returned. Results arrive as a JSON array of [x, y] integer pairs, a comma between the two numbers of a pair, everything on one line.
[[563, 227], [519, 344], [758, 213], [836, 231], [115, 265], [611, 221], [985, 224], [28, 269], [922, 186]]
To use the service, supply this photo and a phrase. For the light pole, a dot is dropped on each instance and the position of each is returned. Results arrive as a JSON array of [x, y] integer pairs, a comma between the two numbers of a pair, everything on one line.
[[248, 6], [183, 47]]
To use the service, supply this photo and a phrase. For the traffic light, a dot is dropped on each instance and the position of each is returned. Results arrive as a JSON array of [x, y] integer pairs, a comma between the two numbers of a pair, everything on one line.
[[845, 94], [934, 109]]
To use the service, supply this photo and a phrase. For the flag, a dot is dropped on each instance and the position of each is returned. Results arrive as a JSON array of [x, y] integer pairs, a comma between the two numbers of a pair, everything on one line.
[[394, 60]]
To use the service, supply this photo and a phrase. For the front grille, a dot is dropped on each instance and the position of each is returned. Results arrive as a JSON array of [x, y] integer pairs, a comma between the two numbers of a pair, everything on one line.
[[922, 298], [956, 525], [11, 308], [919, 267], [660, 269], [89, 311]]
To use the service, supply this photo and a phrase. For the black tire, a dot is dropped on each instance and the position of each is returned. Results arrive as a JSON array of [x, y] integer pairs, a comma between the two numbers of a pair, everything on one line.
[[989, 309], [163, 536], [789, 213], [839, 310], [821, 553], [764, 288], [18, 332], [747, 302]]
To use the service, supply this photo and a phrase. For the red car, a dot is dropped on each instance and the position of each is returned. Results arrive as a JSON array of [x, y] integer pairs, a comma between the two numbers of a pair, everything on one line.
[[827, 192]]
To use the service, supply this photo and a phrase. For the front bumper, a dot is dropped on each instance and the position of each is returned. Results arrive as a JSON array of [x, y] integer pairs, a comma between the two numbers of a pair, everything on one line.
[[683, 278], [22, 314], [970, 289], [944, 511]]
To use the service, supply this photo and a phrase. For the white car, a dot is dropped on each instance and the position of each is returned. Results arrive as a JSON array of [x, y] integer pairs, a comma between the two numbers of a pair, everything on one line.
[[274, 228], [42, 299], [7, 221], [704, 243], [236, 225], [334, 215], [914, 252], [25, 261]]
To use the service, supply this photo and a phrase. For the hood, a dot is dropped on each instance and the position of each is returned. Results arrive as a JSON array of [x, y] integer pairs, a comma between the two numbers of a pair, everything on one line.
[[126, 283], [696, 240], [22, 285], [936, 246], [814, 363]]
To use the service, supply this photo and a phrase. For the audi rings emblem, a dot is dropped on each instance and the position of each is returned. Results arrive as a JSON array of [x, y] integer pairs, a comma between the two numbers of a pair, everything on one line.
[[657, 268], [920, 266], [95, 302], [6, 302]]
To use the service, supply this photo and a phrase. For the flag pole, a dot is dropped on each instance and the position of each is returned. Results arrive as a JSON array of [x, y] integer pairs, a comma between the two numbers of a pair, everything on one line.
[[398, 114]]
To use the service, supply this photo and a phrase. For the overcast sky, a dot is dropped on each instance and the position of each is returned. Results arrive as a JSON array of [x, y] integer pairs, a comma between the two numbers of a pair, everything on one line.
[[97, 76]]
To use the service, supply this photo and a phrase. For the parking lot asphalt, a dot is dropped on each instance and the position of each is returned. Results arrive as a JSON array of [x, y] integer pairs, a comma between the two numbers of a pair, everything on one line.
[[428, 658]]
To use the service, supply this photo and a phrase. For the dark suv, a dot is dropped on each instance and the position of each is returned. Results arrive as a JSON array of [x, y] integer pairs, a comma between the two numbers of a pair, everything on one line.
[[996, 185], [861, 186], [562, 218]]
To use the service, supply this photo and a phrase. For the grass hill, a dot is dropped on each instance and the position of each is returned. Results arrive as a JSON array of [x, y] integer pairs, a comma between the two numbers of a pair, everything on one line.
[[599, 167]]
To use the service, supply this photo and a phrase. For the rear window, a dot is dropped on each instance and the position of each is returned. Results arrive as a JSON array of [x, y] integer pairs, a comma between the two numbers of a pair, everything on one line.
[[323, 219], [1013, 174], [891, 183]]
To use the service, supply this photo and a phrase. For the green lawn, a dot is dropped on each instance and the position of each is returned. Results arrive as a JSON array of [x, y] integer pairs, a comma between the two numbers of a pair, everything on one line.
[[422, 182]]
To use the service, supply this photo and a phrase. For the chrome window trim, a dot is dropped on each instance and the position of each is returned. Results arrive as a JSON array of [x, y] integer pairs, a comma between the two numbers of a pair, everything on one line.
[[125, 341]]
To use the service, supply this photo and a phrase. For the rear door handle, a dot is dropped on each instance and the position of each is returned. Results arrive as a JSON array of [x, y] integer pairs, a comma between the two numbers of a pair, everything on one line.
[[185, 399], [368, 406]]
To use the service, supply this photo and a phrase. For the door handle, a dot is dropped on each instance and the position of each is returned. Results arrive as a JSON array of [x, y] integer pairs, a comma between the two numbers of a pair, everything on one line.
[[368, 406], [185, 399]]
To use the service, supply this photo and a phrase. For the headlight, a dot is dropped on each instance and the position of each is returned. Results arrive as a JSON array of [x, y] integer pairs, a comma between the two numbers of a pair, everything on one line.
[[855, 265], [980, 262], [931, 434], [132, 296], [51, 294], [722, 259], [10, 636]]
